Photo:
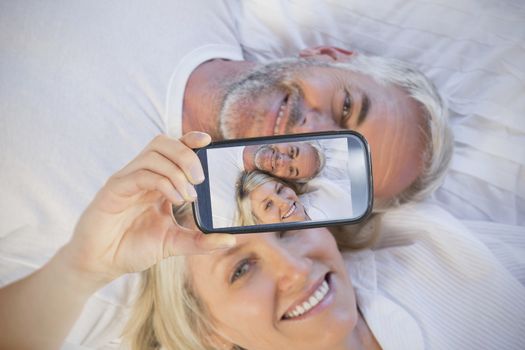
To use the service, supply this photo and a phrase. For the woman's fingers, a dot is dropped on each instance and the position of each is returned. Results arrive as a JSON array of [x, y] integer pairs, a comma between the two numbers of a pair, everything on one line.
[[164, 149], [157, 163], [181, 153], [125, 187]]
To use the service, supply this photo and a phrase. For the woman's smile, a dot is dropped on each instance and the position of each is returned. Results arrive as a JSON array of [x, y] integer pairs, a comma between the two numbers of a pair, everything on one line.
[[290, 211], [315, 301]]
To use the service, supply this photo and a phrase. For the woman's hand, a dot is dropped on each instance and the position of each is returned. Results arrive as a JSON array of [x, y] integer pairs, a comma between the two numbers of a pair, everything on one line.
[[129, 225]]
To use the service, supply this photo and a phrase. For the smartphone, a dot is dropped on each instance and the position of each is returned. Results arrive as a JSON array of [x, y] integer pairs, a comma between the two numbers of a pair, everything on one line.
[[285, 182]]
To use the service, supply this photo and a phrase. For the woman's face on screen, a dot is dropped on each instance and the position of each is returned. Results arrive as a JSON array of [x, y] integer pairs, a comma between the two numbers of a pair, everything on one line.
[[273, 202], [278, 291]]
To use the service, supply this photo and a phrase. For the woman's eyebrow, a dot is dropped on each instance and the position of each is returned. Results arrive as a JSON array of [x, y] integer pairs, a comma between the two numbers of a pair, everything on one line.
[[263, 202], [226, 254]]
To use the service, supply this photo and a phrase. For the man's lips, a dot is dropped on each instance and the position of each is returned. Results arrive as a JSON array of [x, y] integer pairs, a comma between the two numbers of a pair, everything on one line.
[[275, 157], [269, 161], [281, 115], [273, 101]]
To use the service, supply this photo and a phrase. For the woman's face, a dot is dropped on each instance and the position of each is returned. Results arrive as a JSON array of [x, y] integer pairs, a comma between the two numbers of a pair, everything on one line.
[[285, 290], [273, 202]]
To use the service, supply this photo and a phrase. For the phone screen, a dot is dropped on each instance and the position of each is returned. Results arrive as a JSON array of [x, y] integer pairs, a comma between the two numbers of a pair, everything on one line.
[[274, 183]]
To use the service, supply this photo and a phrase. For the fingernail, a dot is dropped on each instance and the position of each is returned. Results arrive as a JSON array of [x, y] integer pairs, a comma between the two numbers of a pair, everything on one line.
[[191, 191], [201, 134], [196, 174]]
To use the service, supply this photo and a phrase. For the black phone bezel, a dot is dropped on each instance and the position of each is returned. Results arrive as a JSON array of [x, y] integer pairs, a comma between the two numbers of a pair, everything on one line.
[[202, 209]]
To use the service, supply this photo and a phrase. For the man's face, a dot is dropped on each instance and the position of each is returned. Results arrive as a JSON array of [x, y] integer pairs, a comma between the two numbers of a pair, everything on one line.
[[293, 161], [319, 98]]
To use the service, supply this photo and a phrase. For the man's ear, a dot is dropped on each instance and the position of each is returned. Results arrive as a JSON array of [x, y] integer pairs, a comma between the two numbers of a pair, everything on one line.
[[326, 53]]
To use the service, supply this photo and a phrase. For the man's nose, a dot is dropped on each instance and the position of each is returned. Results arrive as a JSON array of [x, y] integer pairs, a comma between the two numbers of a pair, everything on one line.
[[283, 160]]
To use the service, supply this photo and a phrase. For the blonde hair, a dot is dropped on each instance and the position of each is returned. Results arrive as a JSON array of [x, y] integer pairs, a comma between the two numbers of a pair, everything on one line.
[[168, 313], [247, 183]]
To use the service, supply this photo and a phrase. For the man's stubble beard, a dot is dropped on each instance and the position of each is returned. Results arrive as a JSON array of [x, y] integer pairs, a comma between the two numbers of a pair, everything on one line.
[[259, 163], [237, 110]]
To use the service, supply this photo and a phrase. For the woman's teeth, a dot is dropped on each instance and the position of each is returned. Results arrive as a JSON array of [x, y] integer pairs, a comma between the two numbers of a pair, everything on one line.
[[289, 212], [314, 299]]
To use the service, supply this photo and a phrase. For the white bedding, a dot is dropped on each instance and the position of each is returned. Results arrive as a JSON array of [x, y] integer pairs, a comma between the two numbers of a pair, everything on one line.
[[80, 97]]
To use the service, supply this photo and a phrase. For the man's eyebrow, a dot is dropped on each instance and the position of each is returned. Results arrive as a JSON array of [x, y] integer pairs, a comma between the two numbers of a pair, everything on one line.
[[365, 106], [226, 254]]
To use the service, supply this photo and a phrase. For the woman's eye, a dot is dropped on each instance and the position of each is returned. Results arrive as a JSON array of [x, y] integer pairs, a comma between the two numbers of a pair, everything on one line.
[[282, 234], [279, 189], [303, 120], [268, 205], [240, 270], [347, 105]]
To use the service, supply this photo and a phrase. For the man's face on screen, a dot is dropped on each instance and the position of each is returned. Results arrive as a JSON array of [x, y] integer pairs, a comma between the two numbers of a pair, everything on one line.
[[291, 161]]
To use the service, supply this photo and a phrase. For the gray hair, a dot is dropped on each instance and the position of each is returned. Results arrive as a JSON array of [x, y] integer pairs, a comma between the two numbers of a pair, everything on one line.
[[321, 158]]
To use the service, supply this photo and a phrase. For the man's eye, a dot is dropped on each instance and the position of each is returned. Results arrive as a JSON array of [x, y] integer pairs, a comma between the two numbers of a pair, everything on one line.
[[240, 270], [291, 172], [302, 122], [347, 105], [292, 152]]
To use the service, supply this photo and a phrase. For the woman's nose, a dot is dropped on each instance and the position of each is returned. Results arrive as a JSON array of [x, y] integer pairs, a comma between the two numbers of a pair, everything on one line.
[[283, 202], [293, 271]]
